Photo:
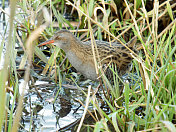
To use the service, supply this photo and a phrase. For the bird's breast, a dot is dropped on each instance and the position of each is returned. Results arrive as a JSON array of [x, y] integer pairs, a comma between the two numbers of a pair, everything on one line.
[[79, 62]]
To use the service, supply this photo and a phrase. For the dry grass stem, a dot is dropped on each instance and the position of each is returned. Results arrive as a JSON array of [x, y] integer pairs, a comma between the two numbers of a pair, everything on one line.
[[29, 48], [85, 110]]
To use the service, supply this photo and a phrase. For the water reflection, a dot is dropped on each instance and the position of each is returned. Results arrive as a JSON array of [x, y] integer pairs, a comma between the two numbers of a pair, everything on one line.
[[48, 116]]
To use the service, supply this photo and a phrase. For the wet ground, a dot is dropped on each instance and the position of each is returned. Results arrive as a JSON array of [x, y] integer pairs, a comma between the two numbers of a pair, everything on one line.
[[44, 111]]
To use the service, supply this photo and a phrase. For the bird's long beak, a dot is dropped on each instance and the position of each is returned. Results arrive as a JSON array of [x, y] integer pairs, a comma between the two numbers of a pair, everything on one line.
[[50, 41]]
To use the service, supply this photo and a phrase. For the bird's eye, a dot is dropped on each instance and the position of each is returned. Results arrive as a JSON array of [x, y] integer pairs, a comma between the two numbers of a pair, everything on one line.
[[58, 37]]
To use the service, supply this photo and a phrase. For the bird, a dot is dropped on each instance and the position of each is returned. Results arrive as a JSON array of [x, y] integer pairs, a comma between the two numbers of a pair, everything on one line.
[[81, 57]]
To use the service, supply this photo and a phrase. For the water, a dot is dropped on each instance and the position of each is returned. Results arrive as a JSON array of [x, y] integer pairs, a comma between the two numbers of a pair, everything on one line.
[[49, 116], [3, 23]]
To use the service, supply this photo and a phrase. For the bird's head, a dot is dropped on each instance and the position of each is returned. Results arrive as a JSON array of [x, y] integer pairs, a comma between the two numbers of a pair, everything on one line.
[[62, 39]]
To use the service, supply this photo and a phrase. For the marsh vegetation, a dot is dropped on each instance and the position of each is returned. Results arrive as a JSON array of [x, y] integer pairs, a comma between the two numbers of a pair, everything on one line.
[[142, 100]]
